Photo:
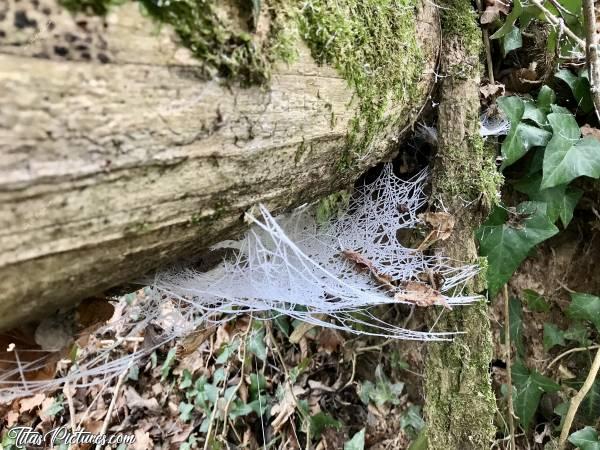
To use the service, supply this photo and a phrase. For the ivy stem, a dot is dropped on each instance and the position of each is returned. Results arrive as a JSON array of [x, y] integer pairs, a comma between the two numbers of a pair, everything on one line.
[[576, 401], [592, 53], [511, 409], [558, 23]]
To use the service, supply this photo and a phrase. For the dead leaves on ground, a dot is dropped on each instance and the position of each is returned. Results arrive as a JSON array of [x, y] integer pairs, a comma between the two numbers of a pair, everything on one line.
[[494, 10]]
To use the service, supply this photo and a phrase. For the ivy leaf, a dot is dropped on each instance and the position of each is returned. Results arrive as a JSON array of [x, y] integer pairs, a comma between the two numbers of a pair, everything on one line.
[[515, 312], [560, 200], [509, 22], [535, 302], [507, 244], [586, 307], [256, 344], [589, 409], [357, 442], [521, 136], [169, 360], [529, 387], [320, 421], [512, 40], [567, 156], [546, 97], [585, 439], [552, 336], [578, 332], [580, 87]]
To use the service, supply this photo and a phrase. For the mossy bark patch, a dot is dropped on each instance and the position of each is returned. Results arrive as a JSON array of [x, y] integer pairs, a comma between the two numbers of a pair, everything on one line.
[[460, 404], [373, 44]]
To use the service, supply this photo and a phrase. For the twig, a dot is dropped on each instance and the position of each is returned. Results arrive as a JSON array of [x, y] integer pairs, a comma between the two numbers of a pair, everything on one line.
[[67, 391], [511, 410], [486, 44], [573, 350], [558, 23], [576, 401], [591, 54], [113, 401], [237, 387]]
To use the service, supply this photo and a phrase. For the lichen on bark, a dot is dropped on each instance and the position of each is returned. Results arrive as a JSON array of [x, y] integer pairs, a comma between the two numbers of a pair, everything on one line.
[[460, 404]]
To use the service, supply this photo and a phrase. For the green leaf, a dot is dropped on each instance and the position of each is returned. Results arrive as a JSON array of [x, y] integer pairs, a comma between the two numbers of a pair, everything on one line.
[[567, 156], [585, 439], [529, 387], [560, 200], [580, 87], [186, 379], [546, 97], [55, 407], [512, 40], [578, 332], [185, 411], [256, 344], [240, 409], [521, 136], [169, 360], [589, 408], [228, 350], [412, 420], [320, 421], [585, 307], [515, 313], [507, 244], [552, 336], [535, 302], [357, 442], [509, 22]]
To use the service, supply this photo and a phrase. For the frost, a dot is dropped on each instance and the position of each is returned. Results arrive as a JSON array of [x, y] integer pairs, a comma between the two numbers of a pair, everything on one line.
[[290, 265], [493, 126]]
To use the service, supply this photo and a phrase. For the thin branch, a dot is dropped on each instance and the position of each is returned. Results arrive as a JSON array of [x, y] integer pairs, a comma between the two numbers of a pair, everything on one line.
[[511, 409], [486, 45], [573, 350], [576, 401], [591, 54], [558, 23]]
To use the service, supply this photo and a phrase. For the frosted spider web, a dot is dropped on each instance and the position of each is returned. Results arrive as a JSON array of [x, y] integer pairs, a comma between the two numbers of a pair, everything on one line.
[[288, 265], [293, 266]]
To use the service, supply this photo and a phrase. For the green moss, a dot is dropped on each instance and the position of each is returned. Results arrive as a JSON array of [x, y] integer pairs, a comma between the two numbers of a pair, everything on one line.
[[459, 19], [373, 45], [332, 206]]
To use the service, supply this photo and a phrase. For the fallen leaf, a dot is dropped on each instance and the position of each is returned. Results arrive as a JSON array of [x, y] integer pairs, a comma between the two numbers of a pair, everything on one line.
[[192, 341], [143, 441], [441, 222], [303, 328], [27, 404], [586, 130], [11, 418], [491, 91], [493, 9], [136, 401], [330, 340], [286, 407], [361, 261], [421, 295]]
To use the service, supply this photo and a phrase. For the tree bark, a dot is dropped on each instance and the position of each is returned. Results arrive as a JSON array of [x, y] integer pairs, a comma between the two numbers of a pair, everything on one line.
[[115, 157], [459, 402]]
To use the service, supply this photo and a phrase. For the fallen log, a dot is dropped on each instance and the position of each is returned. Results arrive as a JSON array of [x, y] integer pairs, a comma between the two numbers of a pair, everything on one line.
[[122, 150]]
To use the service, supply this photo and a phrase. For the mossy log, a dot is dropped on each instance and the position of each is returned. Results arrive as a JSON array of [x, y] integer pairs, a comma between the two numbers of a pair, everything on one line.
[[121, 151], [459, 401]]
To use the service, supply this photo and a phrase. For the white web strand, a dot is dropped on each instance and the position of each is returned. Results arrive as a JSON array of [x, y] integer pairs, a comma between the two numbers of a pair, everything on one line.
[[292, 266], [286, 266]]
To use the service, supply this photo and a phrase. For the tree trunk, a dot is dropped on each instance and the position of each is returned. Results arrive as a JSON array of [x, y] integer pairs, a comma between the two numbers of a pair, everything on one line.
[[116, 156], [459, 402]]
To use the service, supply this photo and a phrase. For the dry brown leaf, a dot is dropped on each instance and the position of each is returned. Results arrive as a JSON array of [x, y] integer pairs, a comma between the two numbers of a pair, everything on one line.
[[302, 329], [136, 401], [29, 403], [361, 261], [421, 295], [491, 91], [143, 441], [286, 407], [192, 341], [493, 9], [330, 340], [12, 418], [94, 312], [586, 130], [441, 222]]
